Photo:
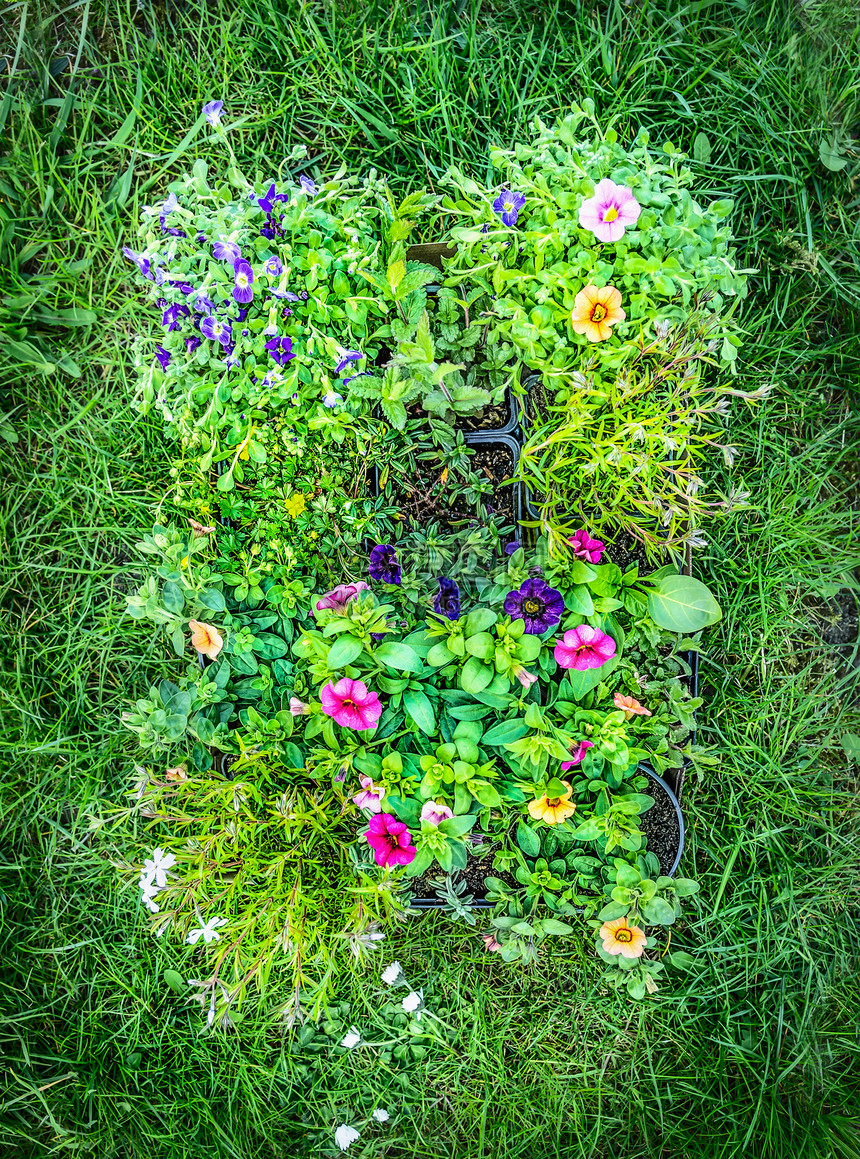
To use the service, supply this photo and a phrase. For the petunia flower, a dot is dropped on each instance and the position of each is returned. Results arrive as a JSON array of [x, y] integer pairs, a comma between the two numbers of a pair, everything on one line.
[[390, 841], [203, 304], [629, 706], [331, 398], [218, 329], [537, 604], [595, 311], [436, 812], [584, 647], [577, 754], [243, 288], [608, 213], [585, 548], [526, 678], [553, 810], [339, 597], [509, 204], [489, 940], [370, 796], [345, 1136], [212, 112], [206, 639], [351, 704], [447, 600], [208, 932], [298, 707], [200, 531], [281, 349], [163, 357], [227, 251], [273, 267], [167, 208], [192, 342], [620, 938], [383, 564], [511, 547]]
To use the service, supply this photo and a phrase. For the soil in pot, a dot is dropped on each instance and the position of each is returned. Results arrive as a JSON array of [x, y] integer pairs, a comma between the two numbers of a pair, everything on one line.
[[477, 869], [660, 826], [496, 462]]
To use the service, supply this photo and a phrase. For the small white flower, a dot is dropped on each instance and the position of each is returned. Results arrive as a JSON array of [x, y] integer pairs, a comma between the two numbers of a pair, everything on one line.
[[208, 932], [155, 868], [381, 1115], [411, 1002], [391, 973], [352, 1039], [147, 897], [345, 1136]]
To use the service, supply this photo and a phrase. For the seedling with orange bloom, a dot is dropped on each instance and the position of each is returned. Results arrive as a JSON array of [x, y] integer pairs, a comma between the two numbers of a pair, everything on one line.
[[595, 311], [205, 638], [629, 706], [619, 938], [553, 810]]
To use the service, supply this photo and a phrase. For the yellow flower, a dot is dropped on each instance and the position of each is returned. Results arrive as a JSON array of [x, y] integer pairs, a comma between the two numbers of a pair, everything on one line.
[[296, 504], [205, 638], [596, 311], [553, 810], [619, 938]]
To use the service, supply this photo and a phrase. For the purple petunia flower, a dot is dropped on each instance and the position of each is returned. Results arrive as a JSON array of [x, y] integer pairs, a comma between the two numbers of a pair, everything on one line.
[[227, 251], [281, 349], [509, 204], [170, 317], [447, 601], [273, 267], [347, 357], [384, 565], [307, 185], [142, 263], [243, 290], [212, 112], [218, 329], [163, 357], [511, 547], [539, 605]]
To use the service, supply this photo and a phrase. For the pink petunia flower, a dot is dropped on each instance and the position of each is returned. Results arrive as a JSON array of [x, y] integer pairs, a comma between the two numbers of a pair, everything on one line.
[[608, 213], [370, 796], [298, 707], [585, 548], [435, 812], [577, 754], [584, 647], [339, 597], [526, 678], [351, 704], [390, 841]]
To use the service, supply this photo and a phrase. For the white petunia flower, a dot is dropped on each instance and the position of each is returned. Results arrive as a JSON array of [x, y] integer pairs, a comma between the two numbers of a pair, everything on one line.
[[208, 932], [411, 1002], [391, 973], [352, 1039], [381, 1115], [345, 1136]]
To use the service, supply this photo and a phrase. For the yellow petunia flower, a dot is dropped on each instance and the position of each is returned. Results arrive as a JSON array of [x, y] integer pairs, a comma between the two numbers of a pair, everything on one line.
[[553, 810], [595, 311]]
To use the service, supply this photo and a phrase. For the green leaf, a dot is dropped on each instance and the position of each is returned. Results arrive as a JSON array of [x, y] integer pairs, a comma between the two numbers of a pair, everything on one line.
[[528, 840], [554, 926], [173, 597], [480, 620], [613, 910], [212, 599], [505, 732], [851, 746], [439, 655], [420, 710], [829, 155], [175, 981], [702, 148], [343, 651], [399, 656], [475, 675], [581, 683], [481, 645], [682, 604], [682, 960], [658, 912]]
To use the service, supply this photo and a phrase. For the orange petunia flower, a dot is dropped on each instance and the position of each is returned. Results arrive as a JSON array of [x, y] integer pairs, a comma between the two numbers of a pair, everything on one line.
[[595, 311], [553, 810], [619, 938], [205, 638], [629, 706]]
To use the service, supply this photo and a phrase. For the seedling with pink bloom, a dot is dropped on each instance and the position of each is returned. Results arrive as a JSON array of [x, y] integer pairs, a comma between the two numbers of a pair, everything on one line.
[[390, 841], [611, 210], [370, 796], [351, 704], [584, 647]]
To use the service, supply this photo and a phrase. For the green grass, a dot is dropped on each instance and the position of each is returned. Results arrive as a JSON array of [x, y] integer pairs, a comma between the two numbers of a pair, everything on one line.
[[753, 1052]]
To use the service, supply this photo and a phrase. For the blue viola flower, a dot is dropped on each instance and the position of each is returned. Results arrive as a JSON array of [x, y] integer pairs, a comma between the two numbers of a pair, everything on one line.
[[331, 398], [290, 296], [212, 112], [170, 317], [509, 204], [163, 357], [167, 208], [218, 329], [307, 185], [511, 547], [281, 349], [227, 251], [447, 601], [243, 275], [273, 267], [143, 263], [347, 357], [192, 342], [203, 304]]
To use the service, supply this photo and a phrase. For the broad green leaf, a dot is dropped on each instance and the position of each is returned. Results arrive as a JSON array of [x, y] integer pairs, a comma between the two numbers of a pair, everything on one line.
[[475, 675], [528, 840], [399, 656], [554, 926], [419, 709], [175, 981], [505, 732], [682, 604], [173, 597], [658, 912], [344, 651]]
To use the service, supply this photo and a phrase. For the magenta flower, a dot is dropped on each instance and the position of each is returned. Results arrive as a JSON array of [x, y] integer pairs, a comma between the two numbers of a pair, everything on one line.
[[584, 647], [243, 289], [608, 213], [370, 796], [587, 549], [339, 597], [435, 812], [577, 754], [390, 840], [350, 704]]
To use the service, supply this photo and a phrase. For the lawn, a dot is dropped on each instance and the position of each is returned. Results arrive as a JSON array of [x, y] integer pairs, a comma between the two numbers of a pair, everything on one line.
[[753, 1050]]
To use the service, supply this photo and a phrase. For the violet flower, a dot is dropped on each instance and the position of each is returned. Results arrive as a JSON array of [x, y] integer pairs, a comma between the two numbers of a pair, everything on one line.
[[267, 201], [307, 185], [212, 112], [332, 399], [281, 349], [384, 565], [511, 547], [447, 601], [192, 342], [170, 317], [243, 275], [217, 328], [226, 251], [509, 204], [537, 604], [143, 263], [203, 304], [347, 357], [167, 208], [163, 357], [273, 267]]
